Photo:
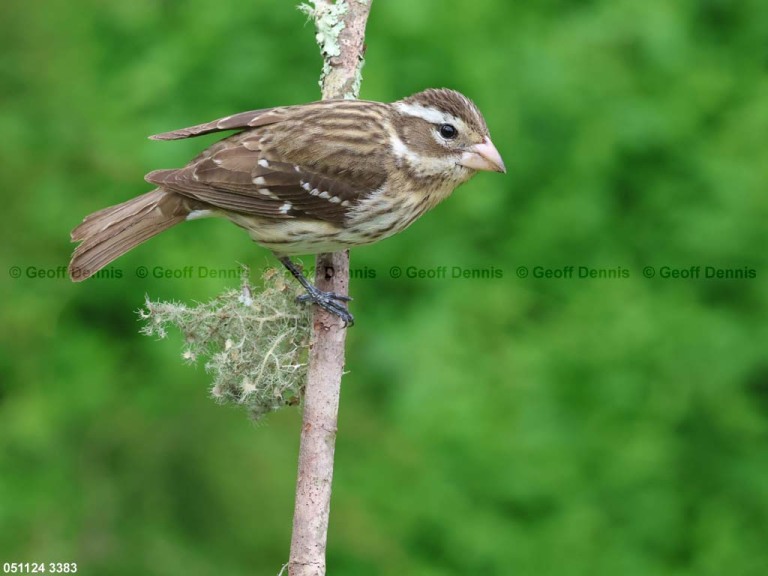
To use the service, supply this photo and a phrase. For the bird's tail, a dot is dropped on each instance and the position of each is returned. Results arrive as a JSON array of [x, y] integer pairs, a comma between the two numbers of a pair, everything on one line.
[[109, 233]]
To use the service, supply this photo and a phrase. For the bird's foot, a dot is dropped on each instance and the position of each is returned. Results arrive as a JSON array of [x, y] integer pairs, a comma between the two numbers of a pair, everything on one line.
[[330, 302]]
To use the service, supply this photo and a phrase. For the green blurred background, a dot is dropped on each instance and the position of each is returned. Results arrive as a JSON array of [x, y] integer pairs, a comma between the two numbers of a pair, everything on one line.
[[504, 427]]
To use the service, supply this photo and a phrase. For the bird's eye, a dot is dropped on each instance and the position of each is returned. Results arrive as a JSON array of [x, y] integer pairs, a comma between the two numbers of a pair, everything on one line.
[[448, 131]]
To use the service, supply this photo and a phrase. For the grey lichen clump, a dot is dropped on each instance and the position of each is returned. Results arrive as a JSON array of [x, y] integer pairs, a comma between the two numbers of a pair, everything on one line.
[[255, 343], [329, 20]]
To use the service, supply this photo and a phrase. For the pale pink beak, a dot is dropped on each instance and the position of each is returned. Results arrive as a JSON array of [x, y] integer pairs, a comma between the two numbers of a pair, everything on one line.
[[483, 156]]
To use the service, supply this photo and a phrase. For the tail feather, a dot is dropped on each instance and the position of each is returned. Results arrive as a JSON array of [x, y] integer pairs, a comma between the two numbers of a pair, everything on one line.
[[111, 232]]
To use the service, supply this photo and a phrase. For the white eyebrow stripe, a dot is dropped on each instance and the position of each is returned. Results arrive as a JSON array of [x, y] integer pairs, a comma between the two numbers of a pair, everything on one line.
[[429, 114]]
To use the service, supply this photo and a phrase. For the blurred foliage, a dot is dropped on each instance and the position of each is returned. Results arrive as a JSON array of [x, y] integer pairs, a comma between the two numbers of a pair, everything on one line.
[[501, 426]]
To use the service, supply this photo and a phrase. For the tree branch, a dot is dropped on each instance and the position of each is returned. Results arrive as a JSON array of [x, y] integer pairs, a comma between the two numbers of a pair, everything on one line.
[[340, 35]]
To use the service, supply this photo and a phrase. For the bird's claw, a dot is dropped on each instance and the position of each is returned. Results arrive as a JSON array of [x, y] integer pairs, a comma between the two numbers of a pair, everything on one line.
[[330, 302]]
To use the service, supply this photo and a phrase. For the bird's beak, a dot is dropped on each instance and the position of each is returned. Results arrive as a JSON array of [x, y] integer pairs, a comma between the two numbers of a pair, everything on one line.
[[483, 156]]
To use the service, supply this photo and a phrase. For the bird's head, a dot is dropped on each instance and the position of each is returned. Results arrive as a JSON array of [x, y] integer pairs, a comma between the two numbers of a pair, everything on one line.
[[443, 132]]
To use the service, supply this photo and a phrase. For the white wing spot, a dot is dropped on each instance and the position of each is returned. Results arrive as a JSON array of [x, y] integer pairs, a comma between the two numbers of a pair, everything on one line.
[[314, 192], [264, 163], [266, 192], [335, 199], [345, 203], [307, 186], [296, 168], [217, 161], [285, 207], [259, 181], [324, 194], [195, 214]]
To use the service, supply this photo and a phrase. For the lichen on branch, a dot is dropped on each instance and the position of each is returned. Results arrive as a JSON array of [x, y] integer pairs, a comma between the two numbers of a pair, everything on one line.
[[342, 68], [254, 341]]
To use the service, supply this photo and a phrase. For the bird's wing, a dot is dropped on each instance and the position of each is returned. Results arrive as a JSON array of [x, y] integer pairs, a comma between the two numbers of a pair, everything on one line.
[[241, 121], [256, 118], [311, 161], [238, 174]]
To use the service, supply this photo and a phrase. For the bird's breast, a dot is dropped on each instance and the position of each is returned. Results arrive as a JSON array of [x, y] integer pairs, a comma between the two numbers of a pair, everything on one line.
[[393, 208]]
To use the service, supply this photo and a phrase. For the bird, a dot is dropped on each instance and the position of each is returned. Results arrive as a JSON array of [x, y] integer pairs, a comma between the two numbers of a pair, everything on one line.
[[306, 179]]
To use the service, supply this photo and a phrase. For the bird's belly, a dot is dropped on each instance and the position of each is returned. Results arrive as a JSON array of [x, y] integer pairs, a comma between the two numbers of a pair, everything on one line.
[[292, 237], [374, 220], [304, 237]]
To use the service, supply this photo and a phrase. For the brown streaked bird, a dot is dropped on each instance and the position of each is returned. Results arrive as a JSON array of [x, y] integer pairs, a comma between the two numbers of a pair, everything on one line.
[[306, 179]]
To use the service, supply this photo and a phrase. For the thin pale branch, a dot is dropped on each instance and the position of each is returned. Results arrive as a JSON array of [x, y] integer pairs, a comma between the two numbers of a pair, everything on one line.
[[340, 35]]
